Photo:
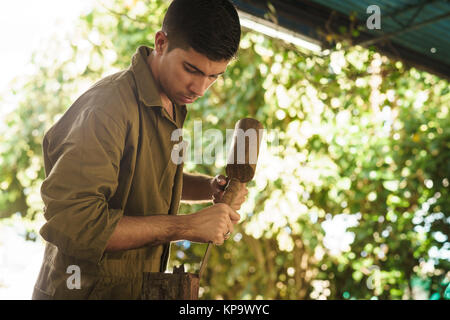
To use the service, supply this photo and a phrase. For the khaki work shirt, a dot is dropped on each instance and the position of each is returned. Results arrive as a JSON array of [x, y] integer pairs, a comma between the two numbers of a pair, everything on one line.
[[108, 156]]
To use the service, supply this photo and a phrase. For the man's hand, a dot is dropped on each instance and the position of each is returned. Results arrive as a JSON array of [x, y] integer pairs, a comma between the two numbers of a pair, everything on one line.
[[218, 184], [212, 224]]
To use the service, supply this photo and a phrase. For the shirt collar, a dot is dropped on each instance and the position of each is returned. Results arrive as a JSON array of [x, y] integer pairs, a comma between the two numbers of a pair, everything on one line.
[[145, 82]]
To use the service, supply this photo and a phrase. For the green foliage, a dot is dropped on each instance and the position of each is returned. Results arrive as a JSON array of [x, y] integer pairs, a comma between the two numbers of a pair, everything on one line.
[[359, 136]]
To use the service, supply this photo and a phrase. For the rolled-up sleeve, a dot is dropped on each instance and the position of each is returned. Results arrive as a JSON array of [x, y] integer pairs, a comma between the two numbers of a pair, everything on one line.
[[85, 161]]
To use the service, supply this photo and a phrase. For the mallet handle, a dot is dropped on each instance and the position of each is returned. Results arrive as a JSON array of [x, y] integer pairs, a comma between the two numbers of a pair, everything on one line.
[[230, 192]]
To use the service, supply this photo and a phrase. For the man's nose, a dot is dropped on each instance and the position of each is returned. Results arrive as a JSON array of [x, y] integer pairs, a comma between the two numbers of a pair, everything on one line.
[[199, 86]]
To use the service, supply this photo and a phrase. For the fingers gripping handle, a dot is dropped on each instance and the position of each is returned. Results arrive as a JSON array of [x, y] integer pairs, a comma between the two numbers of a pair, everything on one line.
[[230, 191]]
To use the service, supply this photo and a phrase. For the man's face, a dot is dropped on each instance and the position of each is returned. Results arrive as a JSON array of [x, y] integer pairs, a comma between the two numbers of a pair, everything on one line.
[[185, 75]]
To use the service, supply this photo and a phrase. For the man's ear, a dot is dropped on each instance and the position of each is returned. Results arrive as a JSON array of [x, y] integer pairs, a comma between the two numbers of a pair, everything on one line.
[[161, 42]]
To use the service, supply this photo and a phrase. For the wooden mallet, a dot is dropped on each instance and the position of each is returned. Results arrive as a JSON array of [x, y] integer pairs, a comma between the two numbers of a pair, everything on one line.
[[240, 168], [241, 164]]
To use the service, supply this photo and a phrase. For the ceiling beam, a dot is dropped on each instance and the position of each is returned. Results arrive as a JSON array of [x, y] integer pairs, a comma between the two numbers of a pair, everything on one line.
[[406, 8], [317, 21], [389, 35]]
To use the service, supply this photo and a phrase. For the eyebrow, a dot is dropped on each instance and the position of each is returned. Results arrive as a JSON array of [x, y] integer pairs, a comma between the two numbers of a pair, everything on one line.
[[200, 71]]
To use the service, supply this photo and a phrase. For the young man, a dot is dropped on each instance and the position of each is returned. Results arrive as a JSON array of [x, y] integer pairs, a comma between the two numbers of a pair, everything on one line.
[[112, 191]]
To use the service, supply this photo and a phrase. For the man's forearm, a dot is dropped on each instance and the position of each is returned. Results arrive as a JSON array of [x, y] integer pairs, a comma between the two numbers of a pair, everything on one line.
[[208, 224], [196, 187], [135, 232]]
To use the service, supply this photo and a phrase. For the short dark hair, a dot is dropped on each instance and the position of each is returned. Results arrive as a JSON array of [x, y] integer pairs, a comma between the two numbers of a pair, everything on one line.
[[210, 27]]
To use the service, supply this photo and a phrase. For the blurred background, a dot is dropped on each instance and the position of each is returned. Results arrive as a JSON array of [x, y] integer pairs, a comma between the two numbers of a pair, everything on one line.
[[351, 195]]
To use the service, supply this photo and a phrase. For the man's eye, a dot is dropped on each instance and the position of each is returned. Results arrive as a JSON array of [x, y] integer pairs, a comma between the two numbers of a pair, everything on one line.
[[189, 70]]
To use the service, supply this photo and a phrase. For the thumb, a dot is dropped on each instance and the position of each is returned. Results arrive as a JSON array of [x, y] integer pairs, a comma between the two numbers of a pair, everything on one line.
[[221, 179]]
